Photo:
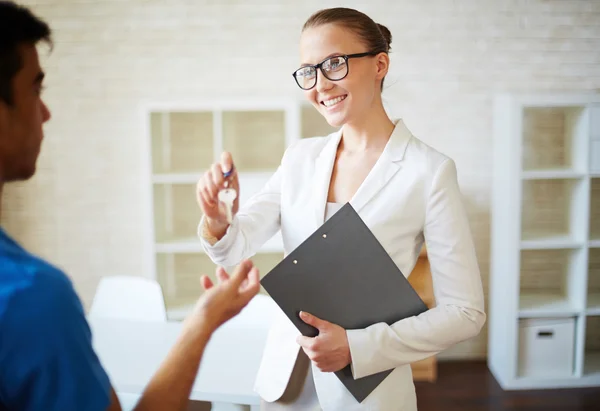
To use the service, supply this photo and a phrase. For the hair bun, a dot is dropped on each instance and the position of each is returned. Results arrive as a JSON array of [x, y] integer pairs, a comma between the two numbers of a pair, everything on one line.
[[387, 35]]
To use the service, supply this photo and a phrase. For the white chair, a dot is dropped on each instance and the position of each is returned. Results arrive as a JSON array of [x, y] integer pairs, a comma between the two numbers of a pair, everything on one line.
[[129, 297]]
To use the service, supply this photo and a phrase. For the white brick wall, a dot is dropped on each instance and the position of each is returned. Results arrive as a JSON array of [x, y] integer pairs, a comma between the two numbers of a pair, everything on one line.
[[85, 208]]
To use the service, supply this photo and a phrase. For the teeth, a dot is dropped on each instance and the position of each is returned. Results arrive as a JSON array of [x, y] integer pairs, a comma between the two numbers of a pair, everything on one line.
[[333, 101]]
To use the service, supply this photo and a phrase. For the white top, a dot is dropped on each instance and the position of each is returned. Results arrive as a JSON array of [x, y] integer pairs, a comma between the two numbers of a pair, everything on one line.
[[331, 209]]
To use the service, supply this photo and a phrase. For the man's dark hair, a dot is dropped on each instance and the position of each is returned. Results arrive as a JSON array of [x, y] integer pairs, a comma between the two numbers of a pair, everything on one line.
[[18, 26]]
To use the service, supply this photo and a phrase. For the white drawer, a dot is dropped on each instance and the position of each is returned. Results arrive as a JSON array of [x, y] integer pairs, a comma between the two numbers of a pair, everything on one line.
[[546, 347], [595, 156]]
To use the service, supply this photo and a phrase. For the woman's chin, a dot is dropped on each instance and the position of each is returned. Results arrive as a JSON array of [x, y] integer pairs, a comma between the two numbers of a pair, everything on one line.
[[335, 119]]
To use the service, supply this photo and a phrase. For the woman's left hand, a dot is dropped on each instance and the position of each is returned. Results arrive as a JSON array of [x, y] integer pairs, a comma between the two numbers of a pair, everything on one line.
[[329, 350]]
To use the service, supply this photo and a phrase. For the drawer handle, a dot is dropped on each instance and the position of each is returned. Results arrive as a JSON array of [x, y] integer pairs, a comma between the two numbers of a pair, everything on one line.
[[545, 334]]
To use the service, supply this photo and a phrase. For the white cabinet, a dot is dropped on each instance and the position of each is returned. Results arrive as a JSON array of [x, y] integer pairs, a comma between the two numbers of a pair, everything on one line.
[[546, 347], [544, 292]]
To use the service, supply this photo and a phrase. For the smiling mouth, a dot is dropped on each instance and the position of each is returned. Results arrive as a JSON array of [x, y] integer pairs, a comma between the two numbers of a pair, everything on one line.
[[332, 102]]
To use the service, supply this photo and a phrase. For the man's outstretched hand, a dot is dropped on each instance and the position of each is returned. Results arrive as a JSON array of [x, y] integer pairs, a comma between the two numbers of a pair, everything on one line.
[[224, 300]]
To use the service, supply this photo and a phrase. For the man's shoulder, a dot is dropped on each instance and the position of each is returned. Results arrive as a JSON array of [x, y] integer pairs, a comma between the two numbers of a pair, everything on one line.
[[32, 289]]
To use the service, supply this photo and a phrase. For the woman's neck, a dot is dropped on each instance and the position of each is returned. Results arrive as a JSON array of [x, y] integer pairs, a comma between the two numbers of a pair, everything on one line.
[[370, 132]]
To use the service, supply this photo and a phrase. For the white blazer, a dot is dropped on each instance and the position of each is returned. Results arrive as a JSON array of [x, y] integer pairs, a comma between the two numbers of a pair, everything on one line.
[[411, 196]]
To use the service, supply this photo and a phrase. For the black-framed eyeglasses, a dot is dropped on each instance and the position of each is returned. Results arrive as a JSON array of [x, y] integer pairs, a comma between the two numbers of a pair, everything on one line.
[[333, 68]]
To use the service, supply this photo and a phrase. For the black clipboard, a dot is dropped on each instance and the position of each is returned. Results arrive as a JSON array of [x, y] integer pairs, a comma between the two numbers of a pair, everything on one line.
[[342, 274]]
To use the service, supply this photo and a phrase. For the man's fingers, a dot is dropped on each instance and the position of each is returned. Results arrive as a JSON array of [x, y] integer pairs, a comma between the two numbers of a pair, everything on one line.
[[241, 273], [222, 276], [252, 287], [206, 282]]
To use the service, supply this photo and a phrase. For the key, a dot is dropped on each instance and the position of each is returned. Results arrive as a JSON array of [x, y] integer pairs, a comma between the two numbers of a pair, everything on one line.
[[227, 196]]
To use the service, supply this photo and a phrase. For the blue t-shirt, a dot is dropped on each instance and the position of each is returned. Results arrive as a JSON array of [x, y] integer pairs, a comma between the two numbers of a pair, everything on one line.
[[47, 361]]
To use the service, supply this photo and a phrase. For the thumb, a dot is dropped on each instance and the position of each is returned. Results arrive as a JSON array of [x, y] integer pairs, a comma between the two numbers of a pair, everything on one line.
[[226, 162], [312, 320]]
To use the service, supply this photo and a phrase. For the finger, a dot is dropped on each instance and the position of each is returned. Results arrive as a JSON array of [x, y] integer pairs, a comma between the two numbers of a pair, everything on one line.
[[222, 275], [206, 282], [226, 162], [217, 175], [253, 286], [211, 188], [205, 200], [304, 342], [241, 273], [312, 320]]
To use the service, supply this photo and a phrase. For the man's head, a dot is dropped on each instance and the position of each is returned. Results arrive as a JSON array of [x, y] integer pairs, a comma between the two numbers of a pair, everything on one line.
[[22, 111]]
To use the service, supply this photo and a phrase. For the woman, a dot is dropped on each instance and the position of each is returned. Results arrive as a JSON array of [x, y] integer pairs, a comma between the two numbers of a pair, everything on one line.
[[404, 190]]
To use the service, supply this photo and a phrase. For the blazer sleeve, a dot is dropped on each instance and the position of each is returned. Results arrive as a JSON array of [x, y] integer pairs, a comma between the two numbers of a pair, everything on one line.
[[459, 312], [254, 224]]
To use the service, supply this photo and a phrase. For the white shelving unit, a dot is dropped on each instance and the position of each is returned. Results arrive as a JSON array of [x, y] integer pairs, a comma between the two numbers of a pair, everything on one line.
[[544, 293], [184, 140]]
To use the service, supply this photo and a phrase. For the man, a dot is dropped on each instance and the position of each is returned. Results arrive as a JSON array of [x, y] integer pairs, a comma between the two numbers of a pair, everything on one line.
[[46, 357]]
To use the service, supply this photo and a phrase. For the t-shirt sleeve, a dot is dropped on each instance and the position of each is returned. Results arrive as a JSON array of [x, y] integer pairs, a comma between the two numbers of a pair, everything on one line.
[[46, 356]]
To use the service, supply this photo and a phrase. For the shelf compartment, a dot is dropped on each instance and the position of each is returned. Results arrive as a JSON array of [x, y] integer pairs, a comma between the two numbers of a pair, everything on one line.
[[593, 282], [182, 142], [595, 209], [550, 282], [256, 139], [314, 124], [546, 347], [591, 360], [179, 274], [554, 138], [553, 210], [176, 212]]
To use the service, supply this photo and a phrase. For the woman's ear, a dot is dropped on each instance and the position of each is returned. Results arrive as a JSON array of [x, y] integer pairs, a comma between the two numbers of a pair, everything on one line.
[[382, 65]]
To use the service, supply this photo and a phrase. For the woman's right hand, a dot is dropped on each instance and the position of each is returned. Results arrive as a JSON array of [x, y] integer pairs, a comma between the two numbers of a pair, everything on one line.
[[207, 194]]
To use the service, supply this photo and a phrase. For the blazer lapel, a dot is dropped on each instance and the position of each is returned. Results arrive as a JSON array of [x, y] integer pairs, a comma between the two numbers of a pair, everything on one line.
[[385, 168], [323, 170]]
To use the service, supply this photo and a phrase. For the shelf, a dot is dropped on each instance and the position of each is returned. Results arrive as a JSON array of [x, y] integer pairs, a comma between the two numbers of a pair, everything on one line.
[[256, 139], [314, 124], [181, 141], [595, 209], [176, 212], [549, 282], [553, 208], [551, 243], [548, 305], [591, 360], [554, 138], [179, 275], [551, 174], [192, 245], [593, 282]]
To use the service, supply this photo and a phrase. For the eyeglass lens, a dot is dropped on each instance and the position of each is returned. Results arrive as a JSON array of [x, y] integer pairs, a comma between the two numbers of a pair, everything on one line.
[[334, 68]]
